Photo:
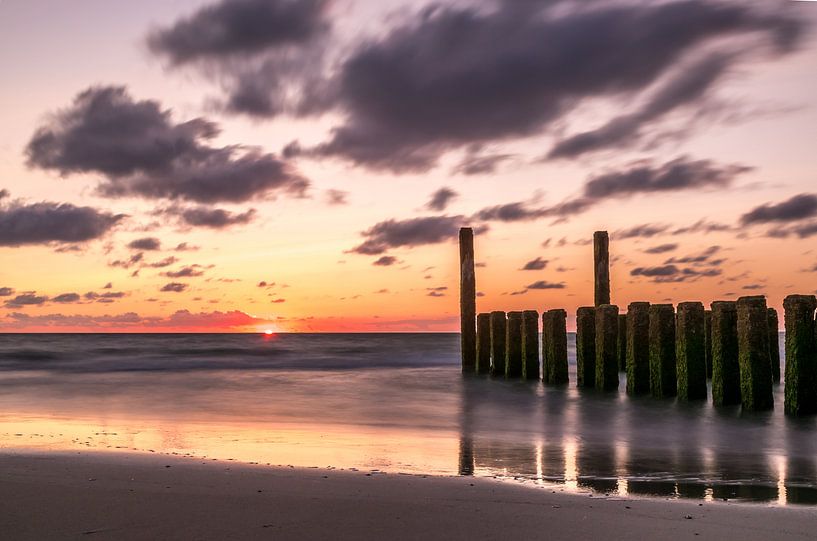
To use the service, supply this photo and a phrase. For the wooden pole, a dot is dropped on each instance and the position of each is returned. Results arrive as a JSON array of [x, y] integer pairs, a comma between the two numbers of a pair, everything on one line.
[[601, 266], [753, 354], [663, 382], [725, 366], [530, 345], [554, 332], [801, 355], [586, 347], [774, 344], [468, 301], [483, 364], [690, 351], [513, 346], [607, 347], [638, 348], [498, 330]]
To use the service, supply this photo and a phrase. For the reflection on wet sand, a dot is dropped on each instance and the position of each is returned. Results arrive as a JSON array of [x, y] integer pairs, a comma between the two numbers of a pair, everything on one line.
[[608, 463]]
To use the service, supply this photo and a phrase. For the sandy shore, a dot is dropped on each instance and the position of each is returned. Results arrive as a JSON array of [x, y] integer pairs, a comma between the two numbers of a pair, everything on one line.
[[132, 496]]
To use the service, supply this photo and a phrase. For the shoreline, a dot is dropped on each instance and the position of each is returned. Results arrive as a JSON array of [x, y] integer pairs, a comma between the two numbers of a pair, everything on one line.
[[113, 495]]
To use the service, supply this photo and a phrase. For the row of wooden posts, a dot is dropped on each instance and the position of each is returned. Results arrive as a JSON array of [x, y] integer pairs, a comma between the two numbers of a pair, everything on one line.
[[664, 352]]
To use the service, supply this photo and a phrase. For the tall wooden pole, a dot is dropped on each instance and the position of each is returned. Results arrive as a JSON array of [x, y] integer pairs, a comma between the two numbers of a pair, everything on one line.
[[601, 267], [468, 301]]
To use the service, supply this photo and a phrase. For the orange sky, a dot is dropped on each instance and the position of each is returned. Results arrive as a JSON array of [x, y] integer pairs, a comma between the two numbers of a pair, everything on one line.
[[761, 114]]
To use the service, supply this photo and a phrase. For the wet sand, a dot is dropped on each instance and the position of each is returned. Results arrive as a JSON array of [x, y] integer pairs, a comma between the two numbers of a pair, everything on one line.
[[137, 496]]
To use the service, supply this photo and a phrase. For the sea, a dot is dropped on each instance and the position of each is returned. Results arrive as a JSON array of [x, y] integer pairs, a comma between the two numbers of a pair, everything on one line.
[[387, 403]]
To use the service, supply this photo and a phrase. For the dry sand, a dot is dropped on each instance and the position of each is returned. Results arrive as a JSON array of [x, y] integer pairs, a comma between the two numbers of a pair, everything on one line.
[[132, 496]]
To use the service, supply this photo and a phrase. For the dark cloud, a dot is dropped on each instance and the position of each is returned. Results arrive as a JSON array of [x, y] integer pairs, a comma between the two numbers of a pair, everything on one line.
[[239, 27], [107, 295], [142, 152], [4, 194], [385, 261], [6, 291], [543, 284], [512, 212], [26, 299], [189, 271], [661, 249], [162, 263], [673, 273], [704, 227], [128, 263], [214, 218], [480, 164], [41, 223], [703, 258], [336, 197], [797, 208], [643, 231], [66, 298], [535, 264], [409, 233], [174, 287], [456, 77], [441, 198], [185, 247], [147, 243]]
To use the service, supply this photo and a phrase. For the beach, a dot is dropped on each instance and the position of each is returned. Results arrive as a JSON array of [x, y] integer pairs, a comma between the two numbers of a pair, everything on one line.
[[134, 496]]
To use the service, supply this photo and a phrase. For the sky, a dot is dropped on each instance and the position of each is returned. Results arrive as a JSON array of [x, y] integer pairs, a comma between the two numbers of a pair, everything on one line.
[[305, 165]]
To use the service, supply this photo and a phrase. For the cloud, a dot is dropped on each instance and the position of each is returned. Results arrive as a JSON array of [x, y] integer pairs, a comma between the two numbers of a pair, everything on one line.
[[141, 152], [543, 284], [6, 291], [26, 299], [267, 54], [475, 163], [385, 261], [189, 271], [336, 197], [181, 320], [673, 273], [455, 77], [106, 296], [185, 247], [535, 264], [641, 231], [128, 263], [798, 207], [162, 263], [440, 199], [66, 298], [213, 218], [661, 248], [174, 287], [148, 243], [42, 223], [409, 233]]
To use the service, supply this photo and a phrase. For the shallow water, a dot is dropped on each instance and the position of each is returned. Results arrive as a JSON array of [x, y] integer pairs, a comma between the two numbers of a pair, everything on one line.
[[388, 402]]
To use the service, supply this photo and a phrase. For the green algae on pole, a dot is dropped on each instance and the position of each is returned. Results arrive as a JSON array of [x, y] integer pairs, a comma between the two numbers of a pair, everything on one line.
[[774, 343], [607, 347], [725, 367], [638, 348], [498, 330], [690, 351], [530, 345], [513, 346], [662, 351], [601, 267], [708, 342], [554, 340], [468, 301], [801, 354], [753, 354], [622, 342], [483, 364], [586, 347]]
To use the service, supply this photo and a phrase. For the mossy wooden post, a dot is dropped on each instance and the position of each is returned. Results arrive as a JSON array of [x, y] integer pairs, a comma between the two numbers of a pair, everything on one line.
[[607, 347], [753, 354], [468, 301], [690, 351], [530, 345], [638, 348], [483, 365], [554, 332], [725, 366], [774, 343], [662, 351], [498, 330], [708, 342], [601, 266], [801, 355], [513, 346], [622, 342], [546, 362], [586, 347]]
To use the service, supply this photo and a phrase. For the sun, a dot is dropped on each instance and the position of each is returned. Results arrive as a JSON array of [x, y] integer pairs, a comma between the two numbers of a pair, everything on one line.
[[268, 332]]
